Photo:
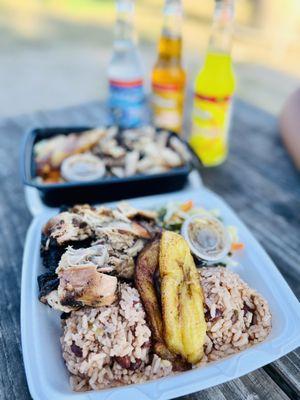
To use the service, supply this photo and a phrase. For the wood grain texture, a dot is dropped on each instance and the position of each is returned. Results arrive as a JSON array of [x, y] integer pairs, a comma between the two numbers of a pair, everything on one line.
[[286, 372], [261, 184], [258, 181]]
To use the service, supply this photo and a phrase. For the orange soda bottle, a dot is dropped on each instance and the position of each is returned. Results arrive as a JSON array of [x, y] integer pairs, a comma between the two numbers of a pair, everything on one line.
[[168, 75]]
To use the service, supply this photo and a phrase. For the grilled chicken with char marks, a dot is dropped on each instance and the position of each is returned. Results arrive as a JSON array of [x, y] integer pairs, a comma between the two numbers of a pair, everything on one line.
[[86, 241], [61, 231], [85, 286]]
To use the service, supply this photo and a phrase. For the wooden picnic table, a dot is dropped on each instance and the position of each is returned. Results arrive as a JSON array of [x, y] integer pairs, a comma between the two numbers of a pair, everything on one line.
[[258, 181]]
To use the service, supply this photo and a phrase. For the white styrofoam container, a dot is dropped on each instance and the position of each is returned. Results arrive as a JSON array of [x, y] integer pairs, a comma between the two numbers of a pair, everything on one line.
[[46, 373]]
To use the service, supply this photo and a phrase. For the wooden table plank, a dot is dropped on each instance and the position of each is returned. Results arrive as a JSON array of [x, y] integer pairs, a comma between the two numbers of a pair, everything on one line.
[[286, 373], [259, 182], [15, 219], [257, 385]]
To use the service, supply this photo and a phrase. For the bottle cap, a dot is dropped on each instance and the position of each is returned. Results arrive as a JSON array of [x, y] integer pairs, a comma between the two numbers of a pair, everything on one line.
[[172, 7], [82, 167], [207, 237]]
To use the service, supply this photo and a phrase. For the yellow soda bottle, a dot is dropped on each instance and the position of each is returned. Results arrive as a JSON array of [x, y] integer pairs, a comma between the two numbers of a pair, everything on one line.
[[168, 75], [213, 91]]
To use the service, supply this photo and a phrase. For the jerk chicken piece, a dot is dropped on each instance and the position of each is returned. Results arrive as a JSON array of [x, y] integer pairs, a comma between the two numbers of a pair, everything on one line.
[[48, 282], [53, 300], [66, 227], [93, 216], [48, 294], [146, 218], [79, 280], [85, 286], [61, 231]]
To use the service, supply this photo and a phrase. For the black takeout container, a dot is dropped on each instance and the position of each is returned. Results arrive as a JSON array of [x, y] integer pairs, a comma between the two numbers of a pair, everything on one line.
[[102, 190]]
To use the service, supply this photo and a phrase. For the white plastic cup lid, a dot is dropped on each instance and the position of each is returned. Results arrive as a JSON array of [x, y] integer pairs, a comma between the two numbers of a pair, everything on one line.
[[82, 167], [207, 237]]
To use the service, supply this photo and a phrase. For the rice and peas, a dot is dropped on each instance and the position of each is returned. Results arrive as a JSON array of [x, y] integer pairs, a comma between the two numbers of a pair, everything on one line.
[[110, 346]]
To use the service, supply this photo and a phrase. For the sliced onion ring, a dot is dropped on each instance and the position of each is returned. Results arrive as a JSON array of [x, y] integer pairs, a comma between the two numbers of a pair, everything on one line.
[[82, 167], [207, 237]]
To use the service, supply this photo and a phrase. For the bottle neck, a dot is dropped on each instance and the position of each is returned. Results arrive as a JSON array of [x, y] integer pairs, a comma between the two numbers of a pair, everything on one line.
[[222, 28], [170, 43], [124, 29]]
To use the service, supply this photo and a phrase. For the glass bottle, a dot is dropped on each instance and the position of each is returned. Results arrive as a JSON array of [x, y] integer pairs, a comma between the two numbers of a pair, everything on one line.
[[214, 89], [168, 75], [127, 99]]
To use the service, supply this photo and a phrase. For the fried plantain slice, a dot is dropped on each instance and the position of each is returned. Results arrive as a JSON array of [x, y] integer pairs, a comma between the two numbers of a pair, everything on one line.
[[146, 266], [147, 263], [182, 299]]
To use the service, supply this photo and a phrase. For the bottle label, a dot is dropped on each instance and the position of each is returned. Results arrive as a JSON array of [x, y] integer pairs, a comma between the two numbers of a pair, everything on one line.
[[167, 101], [127, 102], [211, 117]]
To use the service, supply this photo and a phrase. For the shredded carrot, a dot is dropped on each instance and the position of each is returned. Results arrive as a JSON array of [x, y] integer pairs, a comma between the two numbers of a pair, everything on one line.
[[237, 246], [187, 206]]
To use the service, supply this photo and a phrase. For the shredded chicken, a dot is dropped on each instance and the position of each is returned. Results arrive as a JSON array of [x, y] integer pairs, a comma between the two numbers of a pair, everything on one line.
[[126, 153], [88, 249], [111, 238], [180, 148], [95, 256]]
